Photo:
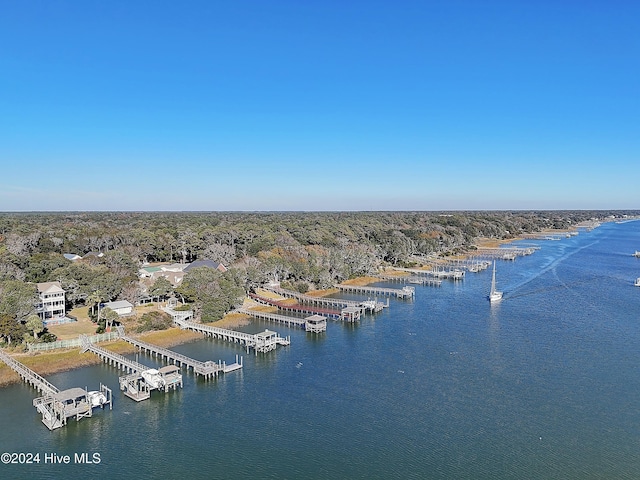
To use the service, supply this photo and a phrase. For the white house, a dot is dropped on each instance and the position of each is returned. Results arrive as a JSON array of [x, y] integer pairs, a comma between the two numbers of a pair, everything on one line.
[[51, 301]]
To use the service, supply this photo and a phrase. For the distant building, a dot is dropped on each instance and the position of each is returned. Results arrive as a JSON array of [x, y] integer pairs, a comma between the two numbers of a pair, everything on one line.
[[52, 301], [174, 267], [206, 263], [175, 278], [72, 257]]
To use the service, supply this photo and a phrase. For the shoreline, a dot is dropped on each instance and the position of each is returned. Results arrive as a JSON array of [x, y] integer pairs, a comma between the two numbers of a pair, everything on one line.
[[63, 360], [67, 359]]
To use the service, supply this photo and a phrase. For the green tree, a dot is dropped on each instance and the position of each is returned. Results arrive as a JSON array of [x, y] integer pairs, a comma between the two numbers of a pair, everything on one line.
[[11, 330], [34, 324], [212, 292], [110, 317], [17, 299], [94, 299], [161, 288]]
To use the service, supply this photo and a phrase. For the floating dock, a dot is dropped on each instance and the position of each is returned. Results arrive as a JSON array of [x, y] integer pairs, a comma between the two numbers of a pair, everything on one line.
[[261, 342], [56, 406], [206, 369]]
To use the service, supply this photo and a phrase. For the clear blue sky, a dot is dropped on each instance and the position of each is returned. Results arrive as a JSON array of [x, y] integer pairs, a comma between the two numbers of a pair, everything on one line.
[[319, 105]]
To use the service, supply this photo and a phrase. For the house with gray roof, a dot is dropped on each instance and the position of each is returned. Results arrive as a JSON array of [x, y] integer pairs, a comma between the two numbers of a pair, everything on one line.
[[206, 263]]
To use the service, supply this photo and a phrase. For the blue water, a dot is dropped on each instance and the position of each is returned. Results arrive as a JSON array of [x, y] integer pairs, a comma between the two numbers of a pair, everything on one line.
[[543, 385]]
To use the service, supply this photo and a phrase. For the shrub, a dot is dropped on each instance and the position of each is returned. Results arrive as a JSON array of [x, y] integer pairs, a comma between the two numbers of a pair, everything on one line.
[[154, 321]]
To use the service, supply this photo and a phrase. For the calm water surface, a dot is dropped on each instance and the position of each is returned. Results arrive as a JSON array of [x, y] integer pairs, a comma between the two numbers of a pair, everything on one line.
[[544, 385]]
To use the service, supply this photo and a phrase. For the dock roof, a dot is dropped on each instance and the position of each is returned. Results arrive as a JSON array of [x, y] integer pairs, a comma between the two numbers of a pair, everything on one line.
[[70, 394]]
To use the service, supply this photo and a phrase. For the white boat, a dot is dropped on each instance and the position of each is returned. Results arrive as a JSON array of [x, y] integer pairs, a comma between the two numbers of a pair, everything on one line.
[[96, 399], [494, 295], [637, 284], [637, 254]]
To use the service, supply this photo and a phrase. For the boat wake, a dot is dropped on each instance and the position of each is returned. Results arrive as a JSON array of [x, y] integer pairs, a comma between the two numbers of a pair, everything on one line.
[[549, 267]]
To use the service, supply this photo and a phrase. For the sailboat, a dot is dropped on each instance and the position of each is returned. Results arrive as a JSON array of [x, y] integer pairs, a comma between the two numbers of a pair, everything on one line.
[[494, 295]]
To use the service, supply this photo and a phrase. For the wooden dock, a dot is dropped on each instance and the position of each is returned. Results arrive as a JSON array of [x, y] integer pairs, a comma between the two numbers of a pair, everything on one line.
[[404, 292], [289, 321], [340, 303], [56, 406], [296, 307], [208, 369], [450, 273], [136, 384], [414, 279], [29, 376], [507, 253], [261, 342]]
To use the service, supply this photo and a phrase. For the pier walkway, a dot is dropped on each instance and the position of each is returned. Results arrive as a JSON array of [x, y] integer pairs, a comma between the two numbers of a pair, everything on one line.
[[112, 358], [297, 307], [454, 274], [315, 323], [261, 342], [29, 376], [332, 302], [415, 279], [207, 369], [404, 292], [509, 253]]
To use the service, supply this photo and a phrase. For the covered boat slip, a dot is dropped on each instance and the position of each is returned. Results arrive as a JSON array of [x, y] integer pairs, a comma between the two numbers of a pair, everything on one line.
[[75, 402]]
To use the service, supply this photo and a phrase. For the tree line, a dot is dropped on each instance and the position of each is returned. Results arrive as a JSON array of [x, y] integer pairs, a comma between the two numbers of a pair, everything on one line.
[[307, 250]]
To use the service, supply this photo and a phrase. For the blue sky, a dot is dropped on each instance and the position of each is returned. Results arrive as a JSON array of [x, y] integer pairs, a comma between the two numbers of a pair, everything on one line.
[[305, 105]]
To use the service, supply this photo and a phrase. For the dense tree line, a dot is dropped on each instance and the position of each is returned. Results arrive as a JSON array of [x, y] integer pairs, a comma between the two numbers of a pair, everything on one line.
[[308, 250]]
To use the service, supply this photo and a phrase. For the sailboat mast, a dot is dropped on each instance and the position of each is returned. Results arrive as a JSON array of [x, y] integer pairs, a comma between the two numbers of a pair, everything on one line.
[[493, 278]]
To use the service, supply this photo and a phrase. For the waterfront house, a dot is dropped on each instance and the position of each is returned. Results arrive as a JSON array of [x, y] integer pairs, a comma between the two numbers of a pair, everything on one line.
[[52, 301]]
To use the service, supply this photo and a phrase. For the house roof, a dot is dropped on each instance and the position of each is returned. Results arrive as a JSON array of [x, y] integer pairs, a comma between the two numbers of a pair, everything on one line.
[[205, 263], [93, 254], [174, 267], [173, 277], [118, 304], [50, 287], [72, 256]]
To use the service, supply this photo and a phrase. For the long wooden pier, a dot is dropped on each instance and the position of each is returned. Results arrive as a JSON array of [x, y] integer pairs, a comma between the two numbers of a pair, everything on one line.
[[415, 279], [404, 292], [29, 376], [56, 406], [451, 273], [207, 369], [112, 358], [330, 301], [260, 342], [297, 307], [507, 253], [311, 324]]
